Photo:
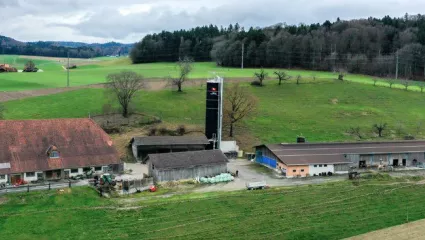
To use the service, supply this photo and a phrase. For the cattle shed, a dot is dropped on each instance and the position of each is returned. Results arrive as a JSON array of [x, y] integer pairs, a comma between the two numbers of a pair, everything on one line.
[[143, 146], [186, 165], [308, 159]]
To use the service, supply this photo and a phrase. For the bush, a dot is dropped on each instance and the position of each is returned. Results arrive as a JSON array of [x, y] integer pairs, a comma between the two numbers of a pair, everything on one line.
[[181, 130], [330, 173], [409, 137], [152, 132], [163, 131], [256, 83]]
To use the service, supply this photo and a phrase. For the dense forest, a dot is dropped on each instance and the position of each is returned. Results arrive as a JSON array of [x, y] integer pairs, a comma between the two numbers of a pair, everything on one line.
[[61, 49], [369, 46]]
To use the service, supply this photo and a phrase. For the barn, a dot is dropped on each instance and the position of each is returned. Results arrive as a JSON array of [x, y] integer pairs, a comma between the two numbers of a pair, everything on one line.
[[309, 159], [186, 165], [143, 146]]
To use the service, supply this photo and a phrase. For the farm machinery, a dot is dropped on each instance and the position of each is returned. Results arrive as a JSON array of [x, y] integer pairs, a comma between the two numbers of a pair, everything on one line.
[[104, 182]]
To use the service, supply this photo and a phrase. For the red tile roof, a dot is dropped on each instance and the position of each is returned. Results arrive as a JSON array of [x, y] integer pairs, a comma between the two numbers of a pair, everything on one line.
[[80, 143]]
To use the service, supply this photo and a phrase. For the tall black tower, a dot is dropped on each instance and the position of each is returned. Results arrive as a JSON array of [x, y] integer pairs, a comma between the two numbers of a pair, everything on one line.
[[212, 111]]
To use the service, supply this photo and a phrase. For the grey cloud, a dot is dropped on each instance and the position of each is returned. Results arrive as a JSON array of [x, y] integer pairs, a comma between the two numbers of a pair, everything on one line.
[[102, 21]]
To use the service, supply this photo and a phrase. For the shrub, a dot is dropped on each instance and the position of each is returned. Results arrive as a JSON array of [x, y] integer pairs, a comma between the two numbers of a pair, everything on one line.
[[163, 131], [409, 137], [181, 130], [152, 132], [256, 83]]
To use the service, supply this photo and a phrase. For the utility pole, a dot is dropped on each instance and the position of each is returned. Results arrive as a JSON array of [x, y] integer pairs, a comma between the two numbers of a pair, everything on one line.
[[243, 48], [67, 70], [396, 67]]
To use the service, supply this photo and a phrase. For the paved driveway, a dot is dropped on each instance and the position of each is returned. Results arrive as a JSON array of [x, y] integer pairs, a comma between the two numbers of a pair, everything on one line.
[[247, 173]]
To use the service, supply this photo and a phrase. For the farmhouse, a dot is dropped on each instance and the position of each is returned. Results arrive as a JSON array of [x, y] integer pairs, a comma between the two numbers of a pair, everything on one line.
[[142, 146], [186, 165], [32, 150], [309, 159]]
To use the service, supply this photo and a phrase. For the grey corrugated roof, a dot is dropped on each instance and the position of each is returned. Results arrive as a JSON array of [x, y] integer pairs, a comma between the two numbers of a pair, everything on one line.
[[293, 154], [170, 140], [187, 159]]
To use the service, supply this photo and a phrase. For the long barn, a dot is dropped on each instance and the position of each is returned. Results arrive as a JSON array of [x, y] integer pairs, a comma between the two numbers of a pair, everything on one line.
[[309, 159]]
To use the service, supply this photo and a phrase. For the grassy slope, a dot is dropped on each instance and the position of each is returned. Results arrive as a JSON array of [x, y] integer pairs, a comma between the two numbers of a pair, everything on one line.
[[321, 111], [55, 76], [332, 211]]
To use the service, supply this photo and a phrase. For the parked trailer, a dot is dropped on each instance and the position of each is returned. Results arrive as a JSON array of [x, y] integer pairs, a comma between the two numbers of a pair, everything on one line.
[[256, 185]]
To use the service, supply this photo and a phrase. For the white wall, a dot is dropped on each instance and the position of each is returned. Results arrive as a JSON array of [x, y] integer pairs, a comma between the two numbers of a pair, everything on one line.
[[316, 170], [4, 180], [80, 171], [29, 179]]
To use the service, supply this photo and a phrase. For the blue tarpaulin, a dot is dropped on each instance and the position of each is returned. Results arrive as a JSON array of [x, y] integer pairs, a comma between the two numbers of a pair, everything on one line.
[[267, 161]]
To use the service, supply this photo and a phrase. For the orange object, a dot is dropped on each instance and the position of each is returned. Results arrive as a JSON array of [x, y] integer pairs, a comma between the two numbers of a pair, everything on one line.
[[152, 188]]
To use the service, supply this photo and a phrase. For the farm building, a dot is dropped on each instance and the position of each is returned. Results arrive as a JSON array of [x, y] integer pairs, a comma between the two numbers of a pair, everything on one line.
[[142, 146], [32, 150], [186, 165], [309, 159]]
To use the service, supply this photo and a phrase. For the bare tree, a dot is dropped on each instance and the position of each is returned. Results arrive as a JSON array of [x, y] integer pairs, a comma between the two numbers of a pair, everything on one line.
[[261, 76], [281, 76], [375, 80], [124, 85], [30, 67], [2, 110], [298, 79], [185, 66], [405, 83], [379, 128], [238, 104], [355, 131]]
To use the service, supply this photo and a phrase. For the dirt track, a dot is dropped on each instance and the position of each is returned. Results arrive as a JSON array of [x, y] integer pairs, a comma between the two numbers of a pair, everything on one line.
[[151, 85], [411, 231]]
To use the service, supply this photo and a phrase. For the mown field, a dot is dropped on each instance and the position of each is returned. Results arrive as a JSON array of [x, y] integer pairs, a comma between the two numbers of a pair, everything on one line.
[[321, 111], [331, 211], [92, 71]]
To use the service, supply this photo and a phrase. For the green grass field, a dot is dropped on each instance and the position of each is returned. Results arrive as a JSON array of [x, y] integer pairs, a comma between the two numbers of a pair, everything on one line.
[[95, 71], [331, 211], [320, 111]]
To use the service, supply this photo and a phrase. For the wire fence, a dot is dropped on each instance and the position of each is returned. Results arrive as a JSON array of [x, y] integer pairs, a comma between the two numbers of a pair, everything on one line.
[[36, 187]]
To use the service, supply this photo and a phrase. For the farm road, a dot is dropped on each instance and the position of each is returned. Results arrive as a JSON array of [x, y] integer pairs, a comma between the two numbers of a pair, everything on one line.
[[151, 85], [248, 174]]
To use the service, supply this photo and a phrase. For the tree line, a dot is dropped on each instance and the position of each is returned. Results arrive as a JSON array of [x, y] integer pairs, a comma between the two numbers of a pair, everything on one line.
[[370, 46], [61, 49]]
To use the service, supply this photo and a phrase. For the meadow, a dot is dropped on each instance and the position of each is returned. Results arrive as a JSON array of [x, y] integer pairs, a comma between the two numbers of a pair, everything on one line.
[[330, 211], [321, 111], [93, 71]]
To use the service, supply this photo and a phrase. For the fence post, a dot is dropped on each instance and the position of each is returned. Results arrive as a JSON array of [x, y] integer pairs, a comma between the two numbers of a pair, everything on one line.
[[69, 184], [49, 186], [28, 188]]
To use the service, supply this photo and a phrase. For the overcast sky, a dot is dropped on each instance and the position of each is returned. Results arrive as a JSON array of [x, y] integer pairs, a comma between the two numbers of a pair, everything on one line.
[[129, 20]]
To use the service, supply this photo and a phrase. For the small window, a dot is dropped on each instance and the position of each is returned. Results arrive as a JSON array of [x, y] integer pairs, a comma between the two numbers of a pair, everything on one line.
[[302, 170], [86, 169], [315, 165], [54, 154], [30, 174], [2, 177], [75, 170], [294, 170], [325, 165], [320, 165], [98, 168]]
